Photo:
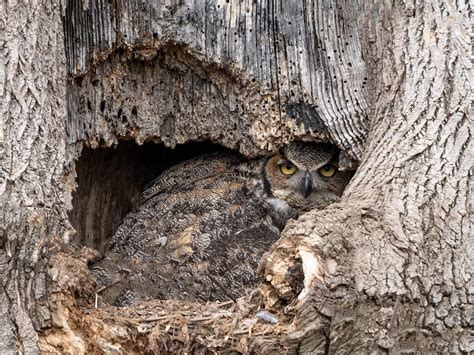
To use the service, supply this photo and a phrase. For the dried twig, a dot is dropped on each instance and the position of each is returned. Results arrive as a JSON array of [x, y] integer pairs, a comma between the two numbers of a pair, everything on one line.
[[224, 304], [200, 319], [152, 319]]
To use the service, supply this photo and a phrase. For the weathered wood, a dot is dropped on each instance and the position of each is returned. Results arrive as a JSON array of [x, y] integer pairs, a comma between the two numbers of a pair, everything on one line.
[[246, 74], [395, 254]]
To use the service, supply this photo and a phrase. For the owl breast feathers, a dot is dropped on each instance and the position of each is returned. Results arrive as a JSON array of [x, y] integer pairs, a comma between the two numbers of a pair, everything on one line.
[[202, 226]]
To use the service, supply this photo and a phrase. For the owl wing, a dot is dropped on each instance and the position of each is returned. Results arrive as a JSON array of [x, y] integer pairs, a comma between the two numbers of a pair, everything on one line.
[[187, 173], [199, 241]]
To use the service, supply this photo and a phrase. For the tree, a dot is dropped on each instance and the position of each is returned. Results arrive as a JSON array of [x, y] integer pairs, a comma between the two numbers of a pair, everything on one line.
[[387, 269]]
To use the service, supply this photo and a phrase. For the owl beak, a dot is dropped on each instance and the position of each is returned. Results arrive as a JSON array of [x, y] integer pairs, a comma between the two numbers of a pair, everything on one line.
[[307, 186]]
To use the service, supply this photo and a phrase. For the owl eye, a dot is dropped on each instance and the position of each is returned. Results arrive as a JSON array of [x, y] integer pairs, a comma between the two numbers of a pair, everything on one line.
[[287, 168], [327, 170]]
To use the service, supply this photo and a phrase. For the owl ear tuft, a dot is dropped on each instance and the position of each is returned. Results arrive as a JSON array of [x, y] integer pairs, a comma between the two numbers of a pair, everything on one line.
[[282, 149]]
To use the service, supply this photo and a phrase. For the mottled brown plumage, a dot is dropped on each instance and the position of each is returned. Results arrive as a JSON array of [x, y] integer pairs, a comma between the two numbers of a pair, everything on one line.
[[202, 226]]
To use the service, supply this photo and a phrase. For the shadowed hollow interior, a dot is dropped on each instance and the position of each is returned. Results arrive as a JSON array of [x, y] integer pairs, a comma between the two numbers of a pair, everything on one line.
[[110, 180]]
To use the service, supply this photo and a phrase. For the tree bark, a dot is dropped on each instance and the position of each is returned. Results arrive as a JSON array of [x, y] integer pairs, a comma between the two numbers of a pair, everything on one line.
[[35, 191], [389, 269], [396, 254]]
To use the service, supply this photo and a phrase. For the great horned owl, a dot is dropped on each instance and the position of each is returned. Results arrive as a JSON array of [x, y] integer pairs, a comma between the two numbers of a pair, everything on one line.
[[203, 225]]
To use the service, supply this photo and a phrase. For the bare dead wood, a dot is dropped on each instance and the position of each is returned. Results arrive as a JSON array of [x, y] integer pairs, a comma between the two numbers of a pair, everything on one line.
[[270, 70], [395, 253]]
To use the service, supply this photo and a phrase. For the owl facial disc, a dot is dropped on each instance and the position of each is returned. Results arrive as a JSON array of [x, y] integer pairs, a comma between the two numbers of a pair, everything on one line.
[[305, 175]]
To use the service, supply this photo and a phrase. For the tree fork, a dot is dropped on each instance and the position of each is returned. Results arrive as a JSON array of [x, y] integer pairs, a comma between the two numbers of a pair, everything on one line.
[[387, 269]]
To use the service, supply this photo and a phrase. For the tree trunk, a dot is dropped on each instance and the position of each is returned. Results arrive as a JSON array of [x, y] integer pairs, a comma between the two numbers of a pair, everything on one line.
[[389, 269], [395, 255], [35, 189]]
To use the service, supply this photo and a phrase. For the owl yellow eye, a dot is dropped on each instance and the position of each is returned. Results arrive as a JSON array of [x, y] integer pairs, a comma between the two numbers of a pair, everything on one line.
[[288, 168], [327, 170]]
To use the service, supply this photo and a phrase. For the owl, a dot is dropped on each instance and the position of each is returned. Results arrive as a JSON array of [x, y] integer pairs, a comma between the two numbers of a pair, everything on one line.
[[202, 226]]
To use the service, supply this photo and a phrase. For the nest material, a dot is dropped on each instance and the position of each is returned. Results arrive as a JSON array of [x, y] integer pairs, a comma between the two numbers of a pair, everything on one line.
[[182, 327], [153, 327]]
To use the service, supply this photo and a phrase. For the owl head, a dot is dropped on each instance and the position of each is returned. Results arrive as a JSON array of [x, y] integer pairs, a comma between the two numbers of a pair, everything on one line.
[[305, 175]]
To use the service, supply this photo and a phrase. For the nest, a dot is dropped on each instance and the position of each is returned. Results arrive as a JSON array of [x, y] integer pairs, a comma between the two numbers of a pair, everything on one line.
[[181, 327], [152, 327]]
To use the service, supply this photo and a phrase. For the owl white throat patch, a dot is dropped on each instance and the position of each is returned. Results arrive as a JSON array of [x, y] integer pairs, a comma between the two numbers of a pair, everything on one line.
[[279, 205]]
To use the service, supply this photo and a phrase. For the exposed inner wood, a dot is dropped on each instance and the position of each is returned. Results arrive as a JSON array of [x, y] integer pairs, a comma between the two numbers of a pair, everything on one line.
[[390, 83], [275, 69]]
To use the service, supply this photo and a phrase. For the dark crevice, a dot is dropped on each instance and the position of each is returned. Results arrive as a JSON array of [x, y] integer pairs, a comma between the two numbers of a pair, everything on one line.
[[327, 346]]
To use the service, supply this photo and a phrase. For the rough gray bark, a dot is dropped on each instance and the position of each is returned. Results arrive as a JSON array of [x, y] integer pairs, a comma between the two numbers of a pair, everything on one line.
[[389, 269], [34, 192], [397, 253]]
